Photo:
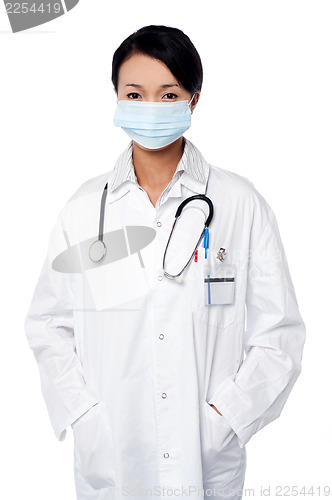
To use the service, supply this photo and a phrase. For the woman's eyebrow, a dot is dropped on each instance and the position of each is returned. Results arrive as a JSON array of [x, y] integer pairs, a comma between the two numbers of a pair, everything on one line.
[[166, 85]]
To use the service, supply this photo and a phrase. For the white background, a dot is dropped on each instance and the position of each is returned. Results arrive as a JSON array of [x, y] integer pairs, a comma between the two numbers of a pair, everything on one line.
[[265, 113]]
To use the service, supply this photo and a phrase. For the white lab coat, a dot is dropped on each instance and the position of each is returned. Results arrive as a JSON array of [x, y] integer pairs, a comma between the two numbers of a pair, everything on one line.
[[151, 353]]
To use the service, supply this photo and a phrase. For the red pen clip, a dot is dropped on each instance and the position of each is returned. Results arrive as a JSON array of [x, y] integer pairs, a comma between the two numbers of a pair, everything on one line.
[[196, 255]]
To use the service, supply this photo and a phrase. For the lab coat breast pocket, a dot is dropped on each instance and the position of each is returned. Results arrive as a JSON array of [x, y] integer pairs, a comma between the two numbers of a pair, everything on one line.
[[93, 447], [219, 285], [215, 289]]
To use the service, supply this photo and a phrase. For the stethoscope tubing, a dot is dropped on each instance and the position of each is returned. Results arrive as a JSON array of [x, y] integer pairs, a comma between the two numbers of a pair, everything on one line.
[[98, 248], [102, 213], [196, 197]]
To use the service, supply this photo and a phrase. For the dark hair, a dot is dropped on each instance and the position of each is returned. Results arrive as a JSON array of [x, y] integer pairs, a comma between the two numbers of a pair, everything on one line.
[[169, 45]]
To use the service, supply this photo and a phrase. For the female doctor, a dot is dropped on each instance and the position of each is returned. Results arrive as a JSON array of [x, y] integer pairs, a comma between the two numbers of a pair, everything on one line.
[[166, 329]]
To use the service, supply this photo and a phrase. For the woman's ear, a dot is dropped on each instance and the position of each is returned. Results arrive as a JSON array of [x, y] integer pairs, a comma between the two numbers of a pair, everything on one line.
[[195, 100]]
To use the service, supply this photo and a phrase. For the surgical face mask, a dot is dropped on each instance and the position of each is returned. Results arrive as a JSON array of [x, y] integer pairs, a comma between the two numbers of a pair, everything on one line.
[[153, 124]]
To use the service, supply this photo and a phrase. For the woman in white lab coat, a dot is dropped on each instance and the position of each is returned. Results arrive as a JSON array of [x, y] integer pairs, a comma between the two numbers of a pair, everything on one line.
[[163, 365]]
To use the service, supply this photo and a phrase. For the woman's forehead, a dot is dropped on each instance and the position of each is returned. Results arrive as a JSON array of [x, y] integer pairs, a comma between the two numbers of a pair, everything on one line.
[[141, 69]]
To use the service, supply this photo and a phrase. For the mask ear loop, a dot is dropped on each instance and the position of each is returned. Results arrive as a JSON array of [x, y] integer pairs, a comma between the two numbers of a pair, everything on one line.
[[192, 110], [191, 99]]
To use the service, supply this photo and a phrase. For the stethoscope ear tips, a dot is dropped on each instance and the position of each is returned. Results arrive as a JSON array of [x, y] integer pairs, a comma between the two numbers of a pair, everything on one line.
[[178, 279]]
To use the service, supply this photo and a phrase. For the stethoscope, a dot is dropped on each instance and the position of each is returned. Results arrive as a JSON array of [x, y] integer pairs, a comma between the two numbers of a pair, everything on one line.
[[205, 233], [98, 248]]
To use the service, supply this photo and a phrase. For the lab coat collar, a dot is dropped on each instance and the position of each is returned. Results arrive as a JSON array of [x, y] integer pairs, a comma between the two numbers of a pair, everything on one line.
[[195, 172]]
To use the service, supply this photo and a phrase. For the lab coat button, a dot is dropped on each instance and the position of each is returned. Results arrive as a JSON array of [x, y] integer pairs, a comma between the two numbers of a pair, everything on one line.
[[161, 336], [164, 395], [166, 455], [159, 224]]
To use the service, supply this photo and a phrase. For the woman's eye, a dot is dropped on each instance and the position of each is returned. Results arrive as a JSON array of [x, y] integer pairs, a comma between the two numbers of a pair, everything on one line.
[[133, 95], [170, 95]]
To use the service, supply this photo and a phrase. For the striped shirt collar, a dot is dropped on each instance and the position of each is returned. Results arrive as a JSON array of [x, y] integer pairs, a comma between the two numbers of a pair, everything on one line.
[[191, 163]]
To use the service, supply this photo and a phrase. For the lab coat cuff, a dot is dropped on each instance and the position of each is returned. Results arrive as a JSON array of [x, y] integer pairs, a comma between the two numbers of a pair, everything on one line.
[[60, 428], [225, 401]]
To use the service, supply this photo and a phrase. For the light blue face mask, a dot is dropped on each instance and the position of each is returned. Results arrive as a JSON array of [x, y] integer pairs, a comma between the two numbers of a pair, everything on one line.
[[153, 124]]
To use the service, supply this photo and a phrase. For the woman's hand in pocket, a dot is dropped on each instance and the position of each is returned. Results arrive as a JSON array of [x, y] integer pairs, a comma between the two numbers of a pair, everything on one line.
[[215, 409]]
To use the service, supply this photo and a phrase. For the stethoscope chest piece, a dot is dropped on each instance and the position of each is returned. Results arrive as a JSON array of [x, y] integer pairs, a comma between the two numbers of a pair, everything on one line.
[[97, 250]]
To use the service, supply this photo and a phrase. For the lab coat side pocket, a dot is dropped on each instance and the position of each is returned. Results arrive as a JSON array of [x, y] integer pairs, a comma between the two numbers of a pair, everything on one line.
[[94, 410], [221, 455], [218, 427], [93, 447]]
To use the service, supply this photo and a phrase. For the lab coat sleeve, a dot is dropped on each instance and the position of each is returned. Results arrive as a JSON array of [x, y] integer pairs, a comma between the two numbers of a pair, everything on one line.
[[274, 336], [49, 326]]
